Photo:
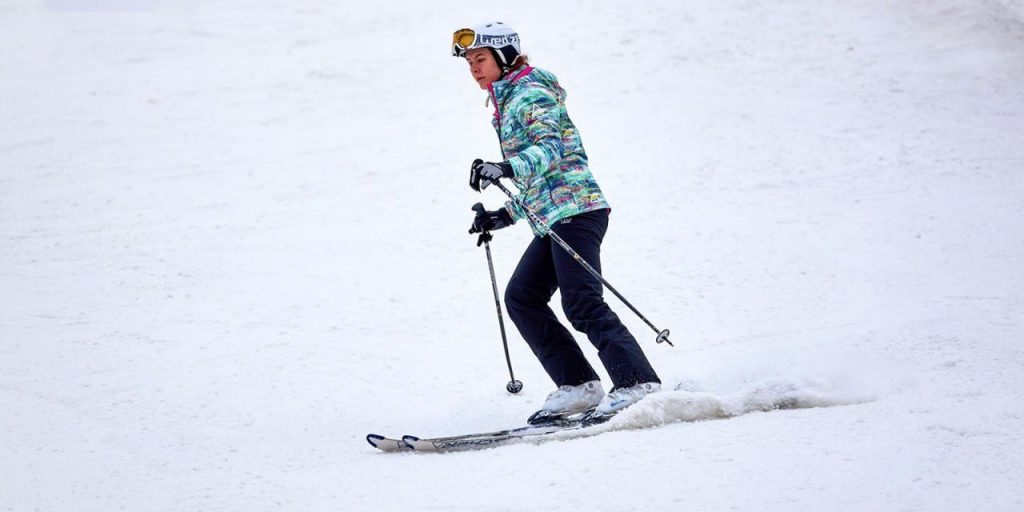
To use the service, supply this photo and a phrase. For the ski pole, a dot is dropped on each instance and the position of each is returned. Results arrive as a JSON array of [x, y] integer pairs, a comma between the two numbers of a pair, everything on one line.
[[535, 220], [513, 386]]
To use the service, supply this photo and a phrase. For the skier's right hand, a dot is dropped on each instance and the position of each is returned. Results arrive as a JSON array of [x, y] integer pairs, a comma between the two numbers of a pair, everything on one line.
[[483, 173], [489, 220]]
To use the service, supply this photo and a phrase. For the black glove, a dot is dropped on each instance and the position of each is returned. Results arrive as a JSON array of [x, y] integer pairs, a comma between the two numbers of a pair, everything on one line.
[[483, 173], [489, 220]]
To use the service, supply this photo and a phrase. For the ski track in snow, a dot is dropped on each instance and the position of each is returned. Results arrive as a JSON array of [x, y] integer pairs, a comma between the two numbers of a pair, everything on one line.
[[232, 243]]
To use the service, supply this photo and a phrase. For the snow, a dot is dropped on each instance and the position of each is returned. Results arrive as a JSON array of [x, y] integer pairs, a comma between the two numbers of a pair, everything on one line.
[[234, 244]]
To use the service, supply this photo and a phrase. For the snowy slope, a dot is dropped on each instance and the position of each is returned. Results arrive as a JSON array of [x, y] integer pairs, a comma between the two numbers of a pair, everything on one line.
[[233, 244]]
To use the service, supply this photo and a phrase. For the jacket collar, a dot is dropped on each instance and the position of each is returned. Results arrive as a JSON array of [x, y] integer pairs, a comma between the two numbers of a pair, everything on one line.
[[498, 87]]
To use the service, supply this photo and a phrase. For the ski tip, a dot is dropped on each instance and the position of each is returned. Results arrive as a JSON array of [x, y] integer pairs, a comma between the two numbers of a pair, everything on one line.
[[374, 439], [410, 440]]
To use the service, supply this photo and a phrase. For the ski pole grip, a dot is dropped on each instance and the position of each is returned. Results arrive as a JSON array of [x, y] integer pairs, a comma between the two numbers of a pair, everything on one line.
[[485, 236]]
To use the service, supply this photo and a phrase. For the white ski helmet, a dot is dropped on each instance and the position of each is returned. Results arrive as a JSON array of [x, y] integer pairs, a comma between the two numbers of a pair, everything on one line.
[[499, 37]]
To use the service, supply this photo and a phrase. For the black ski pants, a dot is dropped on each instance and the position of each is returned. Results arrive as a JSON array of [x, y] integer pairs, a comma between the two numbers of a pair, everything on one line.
[[546, 267]]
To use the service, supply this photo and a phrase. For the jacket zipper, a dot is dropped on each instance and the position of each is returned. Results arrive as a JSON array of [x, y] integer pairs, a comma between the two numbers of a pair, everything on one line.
[[497, 111]]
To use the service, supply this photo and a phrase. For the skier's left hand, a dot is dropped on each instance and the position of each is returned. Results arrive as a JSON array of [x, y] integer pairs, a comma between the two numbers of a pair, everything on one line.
[[483, 173], [489, 220]]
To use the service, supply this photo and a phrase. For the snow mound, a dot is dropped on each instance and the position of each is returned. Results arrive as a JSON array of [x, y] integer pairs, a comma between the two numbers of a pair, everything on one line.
[[681, 405]]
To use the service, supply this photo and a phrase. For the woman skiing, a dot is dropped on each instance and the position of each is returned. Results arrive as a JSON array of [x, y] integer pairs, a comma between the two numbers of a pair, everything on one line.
[[543, 155]]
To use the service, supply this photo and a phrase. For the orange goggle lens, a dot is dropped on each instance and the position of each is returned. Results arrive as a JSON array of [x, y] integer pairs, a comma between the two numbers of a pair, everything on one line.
[[463, 39]]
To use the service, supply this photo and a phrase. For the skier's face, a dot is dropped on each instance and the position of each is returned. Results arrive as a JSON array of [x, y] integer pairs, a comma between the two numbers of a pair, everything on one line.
[[482, 66]]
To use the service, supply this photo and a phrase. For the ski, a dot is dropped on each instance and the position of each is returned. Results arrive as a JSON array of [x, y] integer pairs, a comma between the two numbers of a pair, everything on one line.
[[386, 444], [488, 439]]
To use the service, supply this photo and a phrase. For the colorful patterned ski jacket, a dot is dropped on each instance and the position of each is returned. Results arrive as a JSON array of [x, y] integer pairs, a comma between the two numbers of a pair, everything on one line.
[[540, 142]]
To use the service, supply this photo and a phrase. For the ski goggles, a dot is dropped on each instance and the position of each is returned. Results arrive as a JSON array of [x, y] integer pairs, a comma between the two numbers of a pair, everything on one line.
[[462, 40]]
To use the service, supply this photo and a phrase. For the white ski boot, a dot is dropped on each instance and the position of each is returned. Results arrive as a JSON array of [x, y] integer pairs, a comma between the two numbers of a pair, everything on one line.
[[568, 400], [620, 398]]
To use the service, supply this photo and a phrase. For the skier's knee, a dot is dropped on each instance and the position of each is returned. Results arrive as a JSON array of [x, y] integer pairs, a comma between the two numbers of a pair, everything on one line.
[[580, 310], [516, 294]]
